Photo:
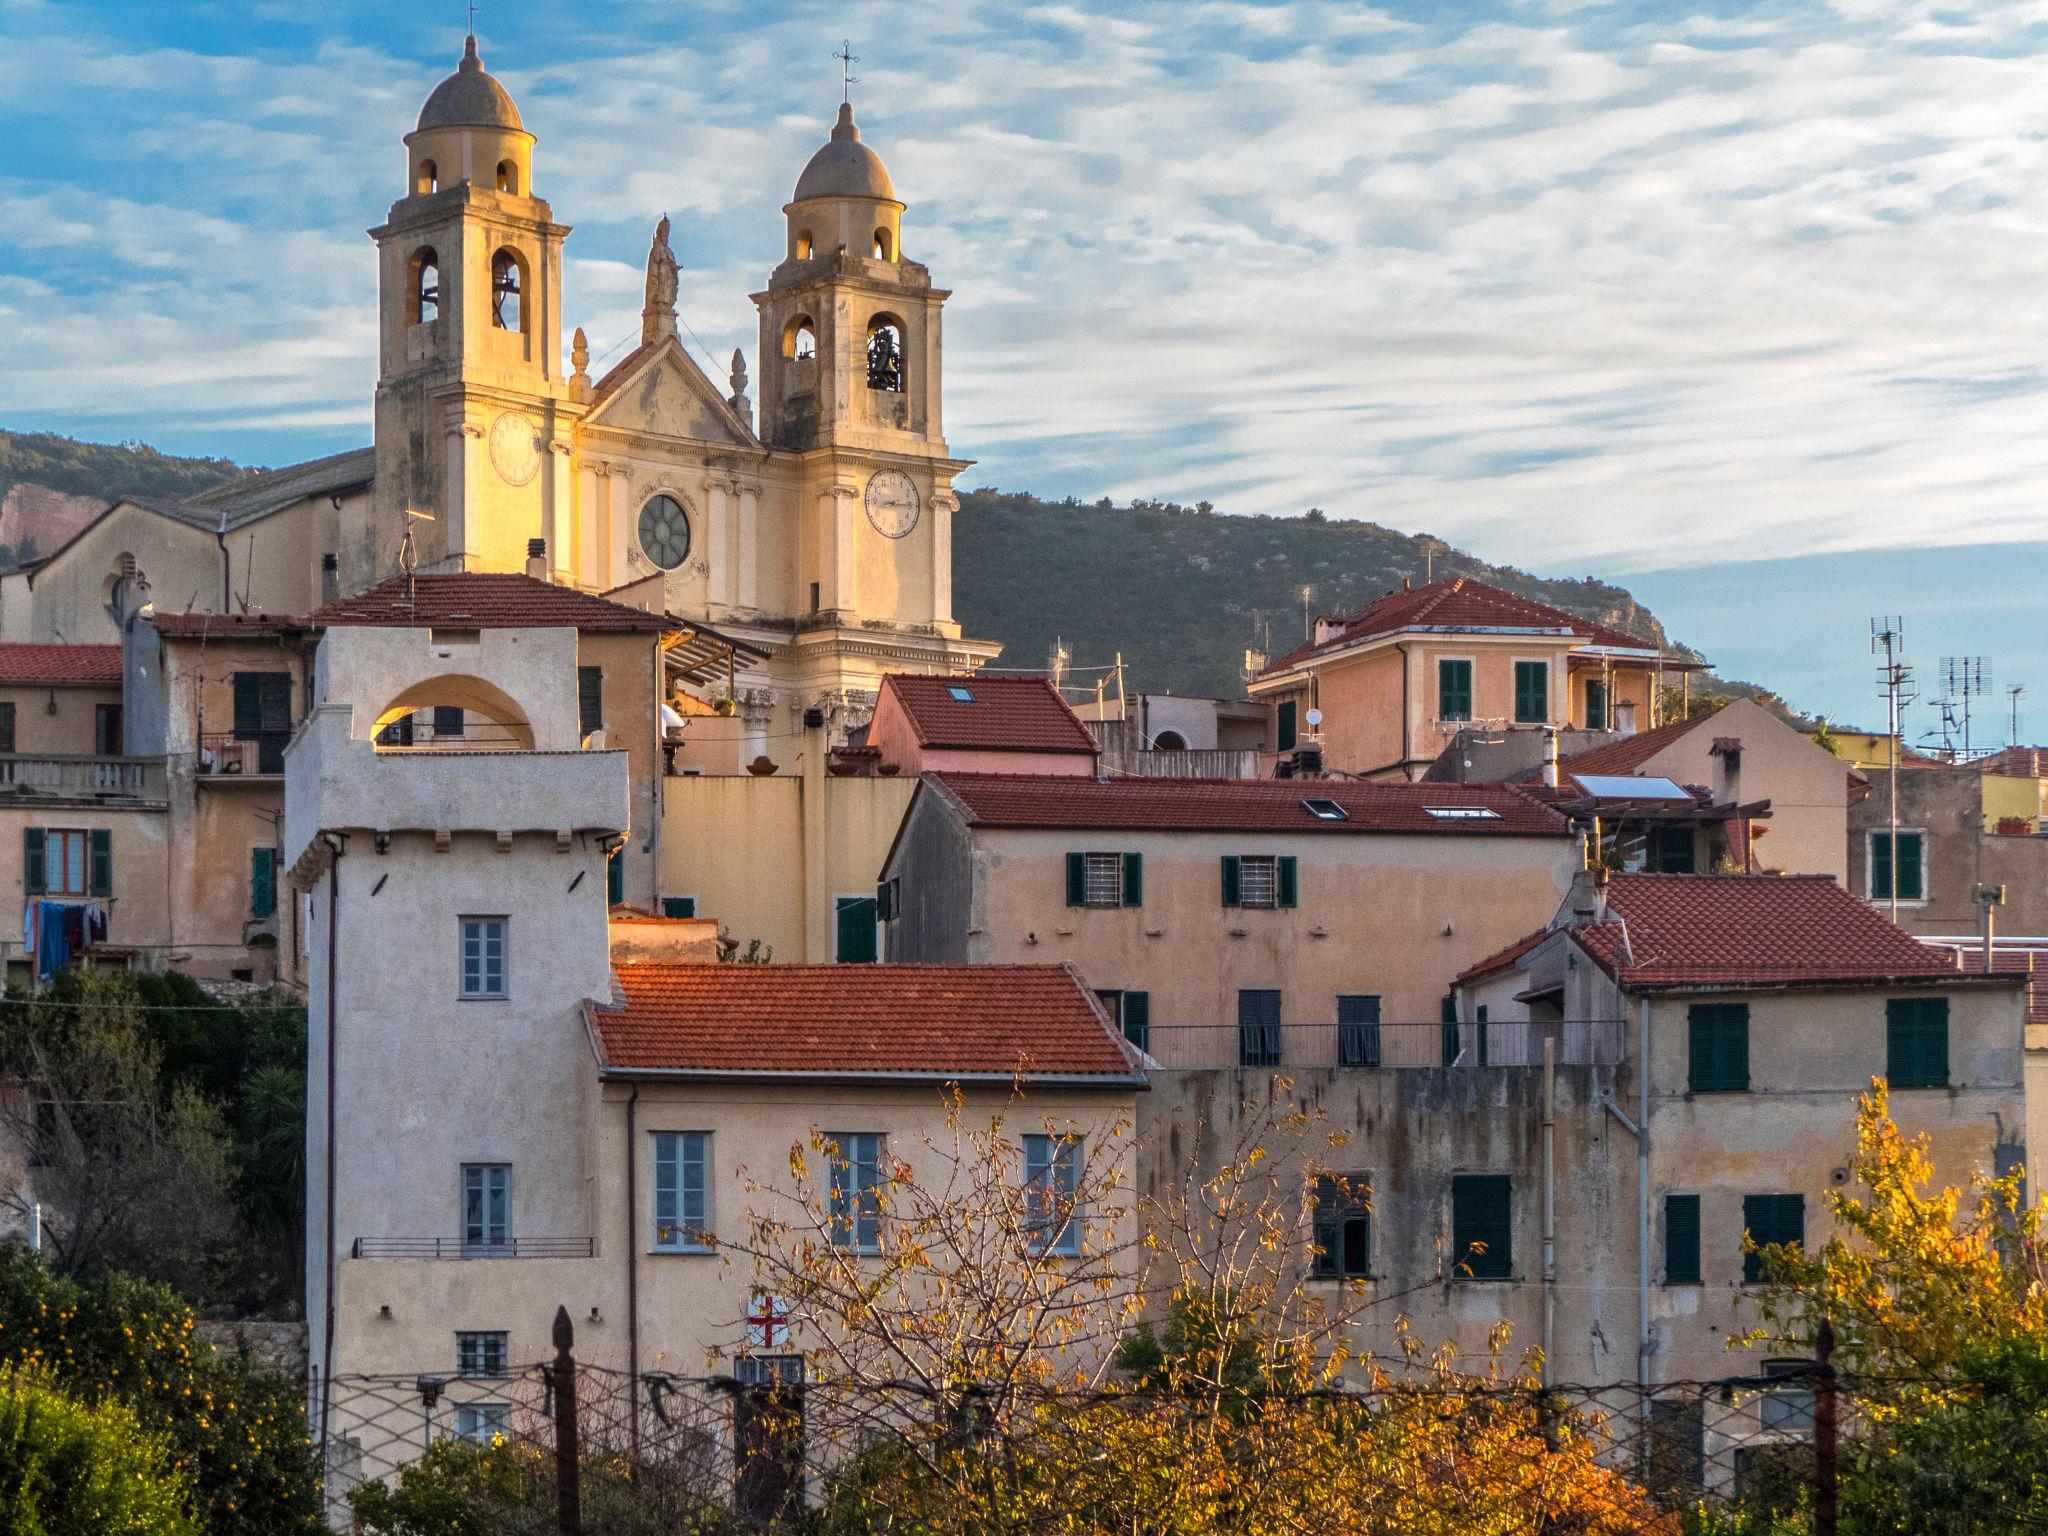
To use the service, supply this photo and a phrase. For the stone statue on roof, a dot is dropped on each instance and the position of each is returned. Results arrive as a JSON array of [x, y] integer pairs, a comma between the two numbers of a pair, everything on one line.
[[658, 315]]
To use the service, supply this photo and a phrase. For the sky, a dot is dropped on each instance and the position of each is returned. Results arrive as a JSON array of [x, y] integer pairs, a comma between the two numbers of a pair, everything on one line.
[[1744, 305]]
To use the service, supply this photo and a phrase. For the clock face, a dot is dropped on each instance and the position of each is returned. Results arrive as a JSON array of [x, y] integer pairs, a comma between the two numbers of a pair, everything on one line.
[[892, 503], [515, 448], [665, 532]]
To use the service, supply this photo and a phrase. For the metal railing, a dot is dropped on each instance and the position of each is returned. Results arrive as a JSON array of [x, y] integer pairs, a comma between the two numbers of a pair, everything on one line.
[[1391, 1045], [57, 774], [223, 755], [456, 1248]]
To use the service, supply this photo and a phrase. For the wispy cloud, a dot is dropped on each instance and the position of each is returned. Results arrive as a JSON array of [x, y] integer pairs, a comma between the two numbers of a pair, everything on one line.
[[1597, 286]]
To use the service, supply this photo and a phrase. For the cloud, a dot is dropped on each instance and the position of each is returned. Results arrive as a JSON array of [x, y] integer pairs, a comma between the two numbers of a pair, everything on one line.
[[1571, 284]]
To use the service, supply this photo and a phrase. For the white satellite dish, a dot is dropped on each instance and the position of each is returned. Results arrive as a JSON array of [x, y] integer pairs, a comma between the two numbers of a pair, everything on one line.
[[1314, 717]]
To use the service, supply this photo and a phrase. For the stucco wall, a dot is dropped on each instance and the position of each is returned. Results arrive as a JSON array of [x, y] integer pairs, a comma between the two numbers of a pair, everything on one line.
[[1946, 805], [1808, 786], [137, 912], [56, 720]]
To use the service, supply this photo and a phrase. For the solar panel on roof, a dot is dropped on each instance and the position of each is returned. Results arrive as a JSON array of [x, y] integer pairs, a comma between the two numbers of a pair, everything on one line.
[[1622, 786]]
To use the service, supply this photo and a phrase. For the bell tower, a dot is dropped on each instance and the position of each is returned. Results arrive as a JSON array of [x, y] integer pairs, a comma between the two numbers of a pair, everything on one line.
[[472, 409], [850, 379]]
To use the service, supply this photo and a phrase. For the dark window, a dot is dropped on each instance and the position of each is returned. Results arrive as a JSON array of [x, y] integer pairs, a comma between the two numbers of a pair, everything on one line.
[[1671, 850], [1678, 1449], [885, 357], [1681, 1239], [262, 883], [6, 727], [1771, 1220], [1358, 1031], [614, 878], [448, 720], [1450, 1029], [1596, 704], [1532, 692], [856, 1196], [1136, 1017], [589, 699], [1479, 1029], [1482, 1226], [1911, 850], [1258, 1029], [397, 734], [1343, 1227], [1916, 1040], [106, 730], [480, 1354], [263, 714], [507, 312], [678, 906], [100, 843], [1454, 690], [1284, 728], [426, 273], [856, 940], [1718, 1046]]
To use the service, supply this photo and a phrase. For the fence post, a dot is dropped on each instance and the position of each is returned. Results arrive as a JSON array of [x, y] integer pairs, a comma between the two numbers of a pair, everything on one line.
[[568, 1463], [1825, 1427]]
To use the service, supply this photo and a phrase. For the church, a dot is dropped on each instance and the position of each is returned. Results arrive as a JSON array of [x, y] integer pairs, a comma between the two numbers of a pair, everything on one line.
[[805, 541]]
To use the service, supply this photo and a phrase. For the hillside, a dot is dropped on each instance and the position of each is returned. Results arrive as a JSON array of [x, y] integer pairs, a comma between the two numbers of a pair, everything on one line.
[[1181, 592]]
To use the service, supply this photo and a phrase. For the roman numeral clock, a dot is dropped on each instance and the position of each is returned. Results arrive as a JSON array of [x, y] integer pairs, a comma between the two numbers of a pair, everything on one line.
[[892, 503]]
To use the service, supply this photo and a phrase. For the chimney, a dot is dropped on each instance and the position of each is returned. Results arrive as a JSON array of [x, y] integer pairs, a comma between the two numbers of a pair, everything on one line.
[[1550, 759], [537, 559], [1407, 584], [330, 577], [1727, 755]]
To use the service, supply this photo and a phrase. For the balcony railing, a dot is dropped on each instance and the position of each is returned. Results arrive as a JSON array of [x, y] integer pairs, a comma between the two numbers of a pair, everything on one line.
[[456, 1248], [223, 755], [1383, 1046], [135, 778]]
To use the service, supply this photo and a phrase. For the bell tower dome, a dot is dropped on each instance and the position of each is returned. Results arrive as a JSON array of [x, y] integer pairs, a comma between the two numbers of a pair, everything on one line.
[[470, 386]]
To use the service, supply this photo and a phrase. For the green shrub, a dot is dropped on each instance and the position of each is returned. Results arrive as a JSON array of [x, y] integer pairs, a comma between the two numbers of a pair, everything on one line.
[[69, 1468]]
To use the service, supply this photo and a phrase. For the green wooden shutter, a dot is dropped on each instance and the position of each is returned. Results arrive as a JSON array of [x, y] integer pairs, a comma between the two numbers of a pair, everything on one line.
[[1596, 704], [1077, 880], [1231, 867], [590, 699], [6, 728], [885, 901], [1449, 1016], [1284, 730], [1138, 1019], [35, 874], [100, 882], [1910, 886], [1916, 1040], [1482, 1211], [1532, 692], [1718, 1048], [1454, 690], [248, 705], [614, 880], [678, 906], [1134, 880], [1289, 880], [1771, 1220], [856, 930], [1681, 1239], [262, 883]]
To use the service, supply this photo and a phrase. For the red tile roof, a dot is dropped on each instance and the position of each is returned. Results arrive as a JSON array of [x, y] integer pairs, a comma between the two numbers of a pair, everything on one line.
[[940, 1022], [1459, 604], [1631, 752], [1710, 931], [2016, 762], [484, 600], [89, 665], [2007, 959], [1004, 714], [1245, 805], [1502, 959], [226, 626]]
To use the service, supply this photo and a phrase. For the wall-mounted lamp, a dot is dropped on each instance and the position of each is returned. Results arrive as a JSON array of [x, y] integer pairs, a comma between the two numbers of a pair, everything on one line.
[[384, 1312]]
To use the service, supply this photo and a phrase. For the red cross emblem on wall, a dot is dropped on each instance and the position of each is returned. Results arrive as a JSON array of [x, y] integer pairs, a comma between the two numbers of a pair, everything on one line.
[[768, 1323]]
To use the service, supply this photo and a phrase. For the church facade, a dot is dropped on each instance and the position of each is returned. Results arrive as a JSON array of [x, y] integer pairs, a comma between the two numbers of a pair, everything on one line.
[[812, 540]]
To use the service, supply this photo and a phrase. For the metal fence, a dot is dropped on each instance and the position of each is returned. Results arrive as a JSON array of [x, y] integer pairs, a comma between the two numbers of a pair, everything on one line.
[[577, 1449], [1375, 1045]]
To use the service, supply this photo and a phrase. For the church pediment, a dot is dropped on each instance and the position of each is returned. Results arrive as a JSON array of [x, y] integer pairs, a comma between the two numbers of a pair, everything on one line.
[[660, 391]]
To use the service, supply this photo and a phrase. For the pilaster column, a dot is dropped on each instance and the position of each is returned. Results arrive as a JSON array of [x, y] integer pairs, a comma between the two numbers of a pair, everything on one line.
[[718, 496], [589, 551], [944, 505], [620, 520], [561, 554], [465, 461], [746, 587], [837, 590]]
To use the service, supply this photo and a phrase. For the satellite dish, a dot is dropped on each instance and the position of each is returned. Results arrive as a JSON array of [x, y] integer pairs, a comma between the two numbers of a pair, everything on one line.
[[1314, 717]]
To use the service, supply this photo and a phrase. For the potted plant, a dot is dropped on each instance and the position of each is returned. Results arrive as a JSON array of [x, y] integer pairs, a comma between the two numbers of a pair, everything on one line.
[[762, 766], [727, 706]]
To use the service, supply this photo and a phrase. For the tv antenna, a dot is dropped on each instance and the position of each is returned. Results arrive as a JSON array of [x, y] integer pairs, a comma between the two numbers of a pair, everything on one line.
[[1964, 678], [1308, 623], [1895, 686], [847, 59], [2013, 692]]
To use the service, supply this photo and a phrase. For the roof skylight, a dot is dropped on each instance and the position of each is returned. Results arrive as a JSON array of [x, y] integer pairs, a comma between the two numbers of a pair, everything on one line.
[[1461, 813], [1326, 810]]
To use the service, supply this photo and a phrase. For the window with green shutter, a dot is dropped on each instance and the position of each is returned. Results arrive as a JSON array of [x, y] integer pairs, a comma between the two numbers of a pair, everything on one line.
[[1532, 692], [614, 879], [1233, 873], [1916, 1041], [1289, 880], [1596, 704], [1771, 1221], [35, 877], [102, 878], [1105, 880], [1449, 1016], [1482, 1226], [1912, 881], [1681, 1239], [262, 883], [589, 699], [678, 906], [1137, 1019], [6, 728], [1284, 729], [1343, 1231], [1718, 1048], [856, 936], [1454, 689], [1134, 880]]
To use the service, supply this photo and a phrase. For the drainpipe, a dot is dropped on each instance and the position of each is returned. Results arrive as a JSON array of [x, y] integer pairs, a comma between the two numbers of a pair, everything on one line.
[[1643, 1205], [1550, 759], [1549, 1205], [1407, 725], [633, 1272], [334, 851], [227, 567]]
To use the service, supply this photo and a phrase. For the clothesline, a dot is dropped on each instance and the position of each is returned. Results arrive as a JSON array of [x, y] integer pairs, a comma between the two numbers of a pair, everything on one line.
[[52, 930]]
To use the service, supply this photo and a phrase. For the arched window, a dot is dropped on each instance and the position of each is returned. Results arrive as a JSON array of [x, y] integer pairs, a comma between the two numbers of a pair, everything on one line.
[[800, 340], [508, 309], [885, 354], [426, 286], [429, 178], [508, 177], [882, 246], [1170, 741], [803, 245]]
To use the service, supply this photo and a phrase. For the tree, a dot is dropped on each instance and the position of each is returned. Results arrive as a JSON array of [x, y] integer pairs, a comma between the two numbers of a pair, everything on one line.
[[69, 1468]]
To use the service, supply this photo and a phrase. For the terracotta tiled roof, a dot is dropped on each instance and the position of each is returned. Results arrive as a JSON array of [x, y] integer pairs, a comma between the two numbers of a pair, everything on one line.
[[2008, 959], [2016, 762], [1001, 714], [226, 626], [1459, 604], [1246, 805], [1693, 931], [1502, 959], [1631, 752], [894, 1021], [483, 600], [94, 665]]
